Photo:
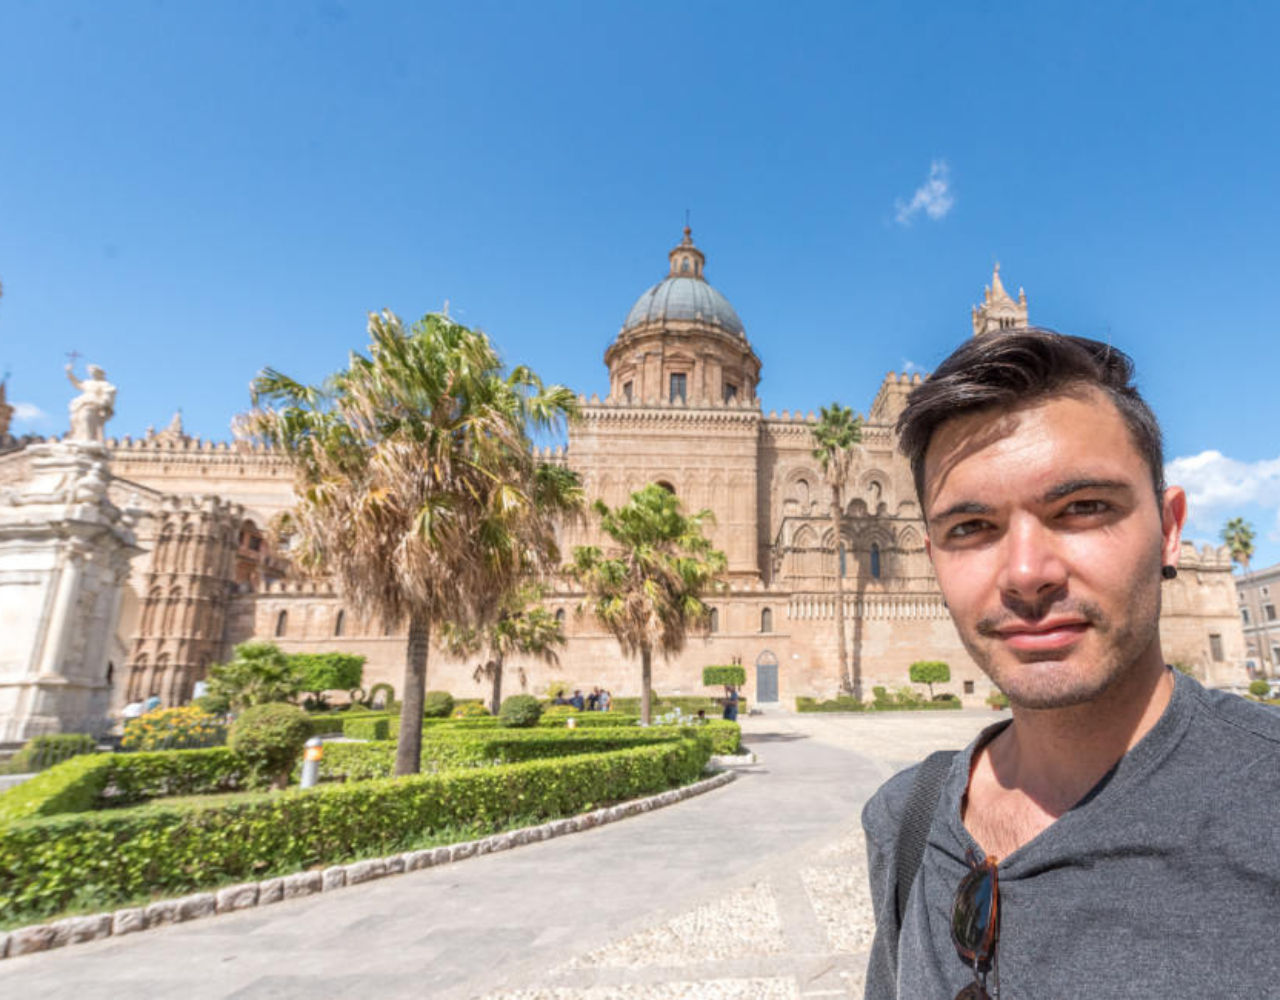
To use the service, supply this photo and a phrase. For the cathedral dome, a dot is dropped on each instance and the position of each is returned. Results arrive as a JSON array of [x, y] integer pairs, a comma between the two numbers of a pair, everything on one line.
[[683, 299], [682, 342]]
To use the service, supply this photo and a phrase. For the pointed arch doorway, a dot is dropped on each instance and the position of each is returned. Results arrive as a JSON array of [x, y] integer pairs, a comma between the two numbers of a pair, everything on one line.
[[766, 678]]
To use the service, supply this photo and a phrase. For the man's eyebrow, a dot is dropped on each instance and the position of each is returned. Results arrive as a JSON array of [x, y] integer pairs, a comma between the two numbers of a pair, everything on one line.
[[1076, 485], [963, 507]]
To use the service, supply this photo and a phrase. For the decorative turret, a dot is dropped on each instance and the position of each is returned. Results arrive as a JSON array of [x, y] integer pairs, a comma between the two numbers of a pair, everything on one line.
[[682, 343], [998, 310]]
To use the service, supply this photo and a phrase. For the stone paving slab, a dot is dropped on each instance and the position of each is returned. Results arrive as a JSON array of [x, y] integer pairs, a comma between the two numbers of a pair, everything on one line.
[[754, 890]]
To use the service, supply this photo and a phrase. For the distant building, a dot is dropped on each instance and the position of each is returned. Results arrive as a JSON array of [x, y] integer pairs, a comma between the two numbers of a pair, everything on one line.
[[681, 409], [1258, 592]]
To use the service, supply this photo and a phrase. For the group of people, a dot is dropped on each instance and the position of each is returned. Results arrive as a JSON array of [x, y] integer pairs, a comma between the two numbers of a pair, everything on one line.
[[598, 700]]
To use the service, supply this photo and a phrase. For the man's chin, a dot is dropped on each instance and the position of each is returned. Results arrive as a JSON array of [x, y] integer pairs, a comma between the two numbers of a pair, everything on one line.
[[1048, 684]]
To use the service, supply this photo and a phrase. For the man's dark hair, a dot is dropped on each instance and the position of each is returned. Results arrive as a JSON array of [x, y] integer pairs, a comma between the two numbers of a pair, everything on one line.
[[1015, 367]]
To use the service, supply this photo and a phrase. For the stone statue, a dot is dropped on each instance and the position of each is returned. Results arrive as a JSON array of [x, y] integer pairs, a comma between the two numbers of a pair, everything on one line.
[[93, 407]]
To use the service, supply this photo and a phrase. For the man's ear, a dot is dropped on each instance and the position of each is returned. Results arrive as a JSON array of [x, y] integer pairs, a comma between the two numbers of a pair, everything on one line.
[[1173, 515]]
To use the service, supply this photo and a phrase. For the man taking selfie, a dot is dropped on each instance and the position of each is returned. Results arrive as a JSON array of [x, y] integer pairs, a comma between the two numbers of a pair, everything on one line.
[[1120, 836]]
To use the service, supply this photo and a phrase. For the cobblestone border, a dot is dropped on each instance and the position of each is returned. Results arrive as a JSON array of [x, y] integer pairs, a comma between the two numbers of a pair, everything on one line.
[[74, 930]]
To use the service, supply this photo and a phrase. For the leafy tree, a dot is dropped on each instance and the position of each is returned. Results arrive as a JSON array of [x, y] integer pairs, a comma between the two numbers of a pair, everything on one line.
[[836, 433], [648, 590], [521, 626], [321, 672], [418, 488], [1238, 535], [930, 672], [257, 673]]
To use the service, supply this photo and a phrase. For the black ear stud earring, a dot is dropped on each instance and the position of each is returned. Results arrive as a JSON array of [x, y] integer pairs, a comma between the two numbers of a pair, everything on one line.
[[1168, 572]]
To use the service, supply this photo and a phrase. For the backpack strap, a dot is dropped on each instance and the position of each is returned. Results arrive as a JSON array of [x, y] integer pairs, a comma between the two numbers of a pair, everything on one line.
[[917, 817]]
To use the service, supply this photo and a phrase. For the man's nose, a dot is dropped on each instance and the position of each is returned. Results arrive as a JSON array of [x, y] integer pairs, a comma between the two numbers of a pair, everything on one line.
[[1032, 566]]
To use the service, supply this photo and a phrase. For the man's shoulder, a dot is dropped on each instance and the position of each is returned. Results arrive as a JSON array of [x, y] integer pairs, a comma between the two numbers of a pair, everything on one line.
[[1240, 721], [882, 815]]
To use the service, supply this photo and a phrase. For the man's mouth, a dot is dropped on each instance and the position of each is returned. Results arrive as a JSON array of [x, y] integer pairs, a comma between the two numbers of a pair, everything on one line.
[[1051, 634]]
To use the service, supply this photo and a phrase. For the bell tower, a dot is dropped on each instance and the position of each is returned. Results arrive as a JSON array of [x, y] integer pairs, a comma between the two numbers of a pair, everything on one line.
[[998, 310]]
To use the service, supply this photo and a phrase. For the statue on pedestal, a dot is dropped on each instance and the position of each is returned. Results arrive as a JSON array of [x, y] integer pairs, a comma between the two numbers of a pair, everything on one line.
[[93, 407]]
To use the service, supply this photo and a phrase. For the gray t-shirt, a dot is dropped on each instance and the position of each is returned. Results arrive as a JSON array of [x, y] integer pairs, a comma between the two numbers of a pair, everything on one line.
[[1163, 881]]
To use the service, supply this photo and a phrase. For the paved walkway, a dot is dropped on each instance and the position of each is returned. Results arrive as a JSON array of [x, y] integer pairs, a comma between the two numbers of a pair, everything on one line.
[[751, 892]]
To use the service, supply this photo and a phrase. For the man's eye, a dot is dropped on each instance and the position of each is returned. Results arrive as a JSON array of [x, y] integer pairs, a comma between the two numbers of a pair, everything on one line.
[[965, 529], [1086, 507]]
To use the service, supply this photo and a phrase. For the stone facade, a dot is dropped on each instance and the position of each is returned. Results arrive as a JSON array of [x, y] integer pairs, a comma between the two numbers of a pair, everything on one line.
[[1258, 594], [681, 409]]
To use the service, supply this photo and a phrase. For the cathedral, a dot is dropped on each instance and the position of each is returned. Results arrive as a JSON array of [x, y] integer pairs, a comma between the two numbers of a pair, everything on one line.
[[681, 409]]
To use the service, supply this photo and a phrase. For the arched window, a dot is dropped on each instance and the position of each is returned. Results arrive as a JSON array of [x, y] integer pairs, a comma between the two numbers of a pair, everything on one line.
[[282, 623], [136, 676], [766, 620], [665, 485], [875, 561], [559, 616], [340, 622], [715, 619], [844, 561]]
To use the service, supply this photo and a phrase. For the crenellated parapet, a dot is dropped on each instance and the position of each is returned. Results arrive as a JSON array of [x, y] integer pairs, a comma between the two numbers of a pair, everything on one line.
[[891, 399]]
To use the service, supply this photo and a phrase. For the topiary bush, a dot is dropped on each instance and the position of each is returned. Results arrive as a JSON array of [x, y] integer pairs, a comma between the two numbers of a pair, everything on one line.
[[929, 672], [520, 711], [174, 729], [269, 738], [388, 693], [733, 674], [437, 704], [1259, 688]]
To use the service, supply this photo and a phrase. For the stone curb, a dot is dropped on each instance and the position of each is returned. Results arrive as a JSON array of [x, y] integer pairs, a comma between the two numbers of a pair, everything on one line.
[[72, 930]]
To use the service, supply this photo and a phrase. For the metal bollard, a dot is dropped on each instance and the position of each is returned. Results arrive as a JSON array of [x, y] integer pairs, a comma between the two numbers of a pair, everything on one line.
[[571, 722], [311, 761]]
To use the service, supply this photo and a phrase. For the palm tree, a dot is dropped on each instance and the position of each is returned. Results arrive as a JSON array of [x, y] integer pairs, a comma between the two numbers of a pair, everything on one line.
[[521, 626], [1238, 534], [837, 431], [417, 487], [648, 591]]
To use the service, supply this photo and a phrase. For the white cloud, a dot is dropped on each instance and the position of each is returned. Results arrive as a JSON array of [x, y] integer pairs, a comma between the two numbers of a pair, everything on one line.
[[909, 366], [28, 412], [933, 197], [1219, 488]]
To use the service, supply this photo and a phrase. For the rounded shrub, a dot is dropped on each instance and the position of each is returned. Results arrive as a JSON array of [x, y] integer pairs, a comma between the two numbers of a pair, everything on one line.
[[437, 704], [1259, 688], [520, 711], [269, 738]]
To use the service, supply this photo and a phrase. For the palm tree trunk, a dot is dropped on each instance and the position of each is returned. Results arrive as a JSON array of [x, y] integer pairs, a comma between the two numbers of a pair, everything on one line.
[[495, 700], [837, 524], [409, 747], [646, 678]]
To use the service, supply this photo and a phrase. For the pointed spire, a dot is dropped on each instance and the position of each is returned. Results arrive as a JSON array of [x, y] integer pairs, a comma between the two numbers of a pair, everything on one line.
[[997, 286]]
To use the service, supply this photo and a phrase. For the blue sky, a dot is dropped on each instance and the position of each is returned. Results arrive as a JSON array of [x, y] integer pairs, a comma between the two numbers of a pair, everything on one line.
[[189, 192]]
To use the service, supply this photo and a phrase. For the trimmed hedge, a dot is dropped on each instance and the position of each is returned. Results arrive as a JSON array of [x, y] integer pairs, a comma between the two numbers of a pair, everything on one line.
[[92, 780], [333, 723], [842, 703], [376, 727], [41, 752], [173, 849]]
